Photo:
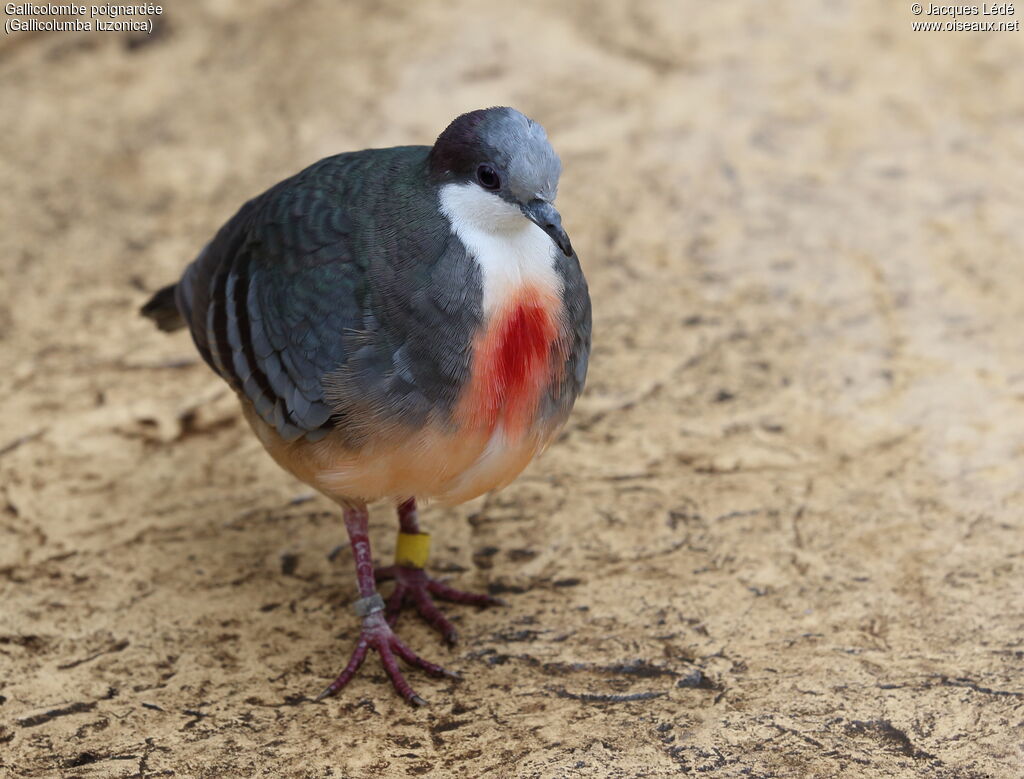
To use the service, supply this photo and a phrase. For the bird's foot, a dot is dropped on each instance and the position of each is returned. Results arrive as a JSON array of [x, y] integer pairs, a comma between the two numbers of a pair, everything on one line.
[[377, 634], [416, 586]]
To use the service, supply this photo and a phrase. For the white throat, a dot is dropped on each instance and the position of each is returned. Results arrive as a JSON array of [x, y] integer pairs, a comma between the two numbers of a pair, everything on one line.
[[510, 249]]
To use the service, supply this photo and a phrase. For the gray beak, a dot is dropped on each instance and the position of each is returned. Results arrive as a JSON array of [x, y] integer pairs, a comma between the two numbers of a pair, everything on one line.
[[547, 218]]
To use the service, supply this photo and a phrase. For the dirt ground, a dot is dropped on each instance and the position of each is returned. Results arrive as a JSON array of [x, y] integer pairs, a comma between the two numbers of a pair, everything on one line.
[[782, 533]]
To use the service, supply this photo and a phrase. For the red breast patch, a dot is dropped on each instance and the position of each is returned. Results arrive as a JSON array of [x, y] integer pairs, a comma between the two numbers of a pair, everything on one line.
[[512, 362]]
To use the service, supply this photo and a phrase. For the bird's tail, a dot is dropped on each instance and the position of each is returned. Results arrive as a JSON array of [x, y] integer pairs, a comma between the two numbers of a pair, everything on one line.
[[163, 309]]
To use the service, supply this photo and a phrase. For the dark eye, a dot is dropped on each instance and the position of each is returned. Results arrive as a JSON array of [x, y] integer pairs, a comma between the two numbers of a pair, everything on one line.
[[487, 177]]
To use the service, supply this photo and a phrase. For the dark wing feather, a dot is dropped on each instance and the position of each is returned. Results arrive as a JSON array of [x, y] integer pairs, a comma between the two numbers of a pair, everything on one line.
[[339, 300], [268, 299], [576, 347]]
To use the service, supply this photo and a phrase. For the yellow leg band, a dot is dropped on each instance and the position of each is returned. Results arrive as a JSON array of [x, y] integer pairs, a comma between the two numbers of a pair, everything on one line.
[[412, 550]]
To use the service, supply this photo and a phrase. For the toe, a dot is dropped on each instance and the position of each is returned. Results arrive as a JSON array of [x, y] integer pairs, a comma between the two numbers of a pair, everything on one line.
[[444, 592], [394, 604], [384, 574], [394, 673], [435, 617], [415, 660], [358, 655]]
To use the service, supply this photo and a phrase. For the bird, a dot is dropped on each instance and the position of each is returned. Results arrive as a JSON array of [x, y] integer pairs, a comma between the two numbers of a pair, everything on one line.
[[406, 324]]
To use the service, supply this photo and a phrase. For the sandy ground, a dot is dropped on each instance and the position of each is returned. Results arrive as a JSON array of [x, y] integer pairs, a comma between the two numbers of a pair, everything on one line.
[[782, 534]]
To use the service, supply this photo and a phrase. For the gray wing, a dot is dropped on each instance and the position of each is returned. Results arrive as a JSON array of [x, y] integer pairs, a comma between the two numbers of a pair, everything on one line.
[[577, 346], [326, 300], [268, 299]]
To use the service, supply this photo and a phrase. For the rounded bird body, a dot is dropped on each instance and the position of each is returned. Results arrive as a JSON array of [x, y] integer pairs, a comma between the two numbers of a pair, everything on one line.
[[399, 323]]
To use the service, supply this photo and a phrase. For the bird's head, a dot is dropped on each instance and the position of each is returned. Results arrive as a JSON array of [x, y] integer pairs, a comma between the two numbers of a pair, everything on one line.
[[501, 169]]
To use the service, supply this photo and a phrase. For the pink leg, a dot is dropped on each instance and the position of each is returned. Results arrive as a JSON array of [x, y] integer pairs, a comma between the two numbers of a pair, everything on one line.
[[376, 632], [415, 585], [408, 516]]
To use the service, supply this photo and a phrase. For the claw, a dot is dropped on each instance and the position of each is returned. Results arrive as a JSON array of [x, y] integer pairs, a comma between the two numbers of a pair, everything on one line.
[[412, 586], [415, 586], [377, 634]]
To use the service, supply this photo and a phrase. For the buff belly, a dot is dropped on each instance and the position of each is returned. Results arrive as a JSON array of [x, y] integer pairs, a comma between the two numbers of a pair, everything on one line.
[[448, 466]]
